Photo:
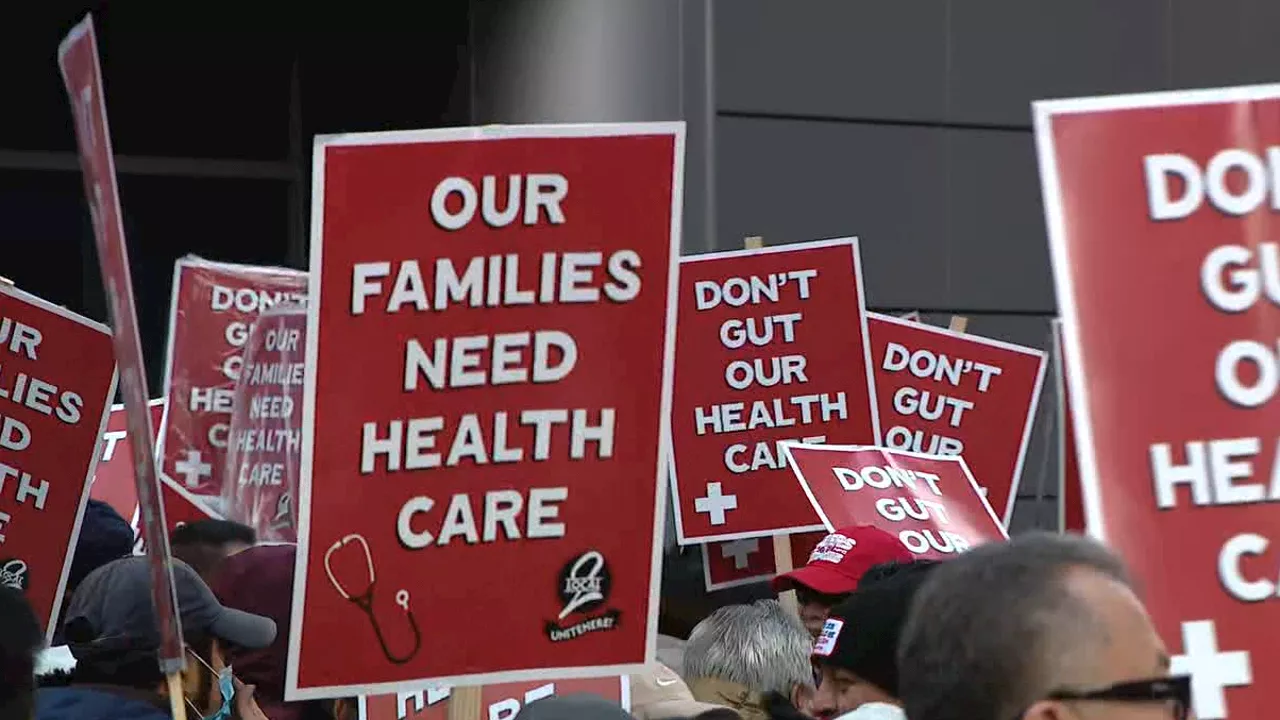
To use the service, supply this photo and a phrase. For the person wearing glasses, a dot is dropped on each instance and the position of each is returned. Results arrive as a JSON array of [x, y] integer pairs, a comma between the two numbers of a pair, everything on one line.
[[1042, 627], [834, 569]]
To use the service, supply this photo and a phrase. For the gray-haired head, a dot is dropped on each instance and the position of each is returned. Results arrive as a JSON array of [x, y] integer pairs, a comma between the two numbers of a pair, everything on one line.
[[759, 646], [996, 629]]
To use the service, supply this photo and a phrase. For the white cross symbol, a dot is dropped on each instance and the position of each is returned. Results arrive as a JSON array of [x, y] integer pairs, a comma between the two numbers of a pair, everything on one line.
[[192, 469], [715, 504], [739, 550], [1211, 671]]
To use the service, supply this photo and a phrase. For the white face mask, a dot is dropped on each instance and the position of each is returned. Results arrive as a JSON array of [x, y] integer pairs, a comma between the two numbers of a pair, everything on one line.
[[875, 711], [55, 659]]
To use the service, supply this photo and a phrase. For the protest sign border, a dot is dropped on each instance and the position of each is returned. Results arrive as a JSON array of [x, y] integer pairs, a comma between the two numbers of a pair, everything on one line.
[[87, 489], [624, 693], [135, 518], [1043, 113], [176, 486], [198, 263], [119, 407], [804, 483], [322, 143], [1027, 426], [851, 242]]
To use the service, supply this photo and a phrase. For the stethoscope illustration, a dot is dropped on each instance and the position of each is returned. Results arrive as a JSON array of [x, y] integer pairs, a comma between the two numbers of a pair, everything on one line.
[[364, 601]]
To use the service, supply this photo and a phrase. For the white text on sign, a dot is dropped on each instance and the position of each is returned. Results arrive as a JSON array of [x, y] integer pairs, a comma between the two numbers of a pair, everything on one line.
[[267, 378], [783, 369], [1234, 278], [468, 362], [504, 709], [901, 509], [244, 301], [930, 405], [243, 304], [29, 393]]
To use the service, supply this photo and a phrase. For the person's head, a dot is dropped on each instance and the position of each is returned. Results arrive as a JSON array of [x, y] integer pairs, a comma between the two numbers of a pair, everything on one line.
[[260, 581], [856, 652], [104, 536], [20, 640], [1027, 630], [204, 544], [113, 634], [660, 693], [834, 569], [742, 652]]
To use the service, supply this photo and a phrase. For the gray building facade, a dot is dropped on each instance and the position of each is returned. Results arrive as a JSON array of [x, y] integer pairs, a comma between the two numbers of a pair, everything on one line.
[[904, 123]]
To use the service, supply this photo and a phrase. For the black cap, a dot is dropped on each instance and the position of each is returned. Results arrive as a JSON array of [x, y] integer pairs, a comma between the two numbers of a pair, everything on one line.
[[113, 605], [862, 632]]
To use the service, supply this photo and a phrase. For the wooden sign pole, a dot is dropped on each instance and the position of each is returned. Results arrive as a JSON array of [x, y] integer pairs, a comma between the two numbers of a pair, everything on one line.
[[782, 541], [782, 564], [464, 703]]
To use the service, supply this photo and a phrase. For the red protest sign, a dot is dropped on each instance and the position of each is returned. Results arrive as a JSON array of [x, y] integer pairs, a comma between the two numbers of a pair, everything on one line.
[[266, 427], [214, 304], [113, 480], [1161, 211], [771, 347], [490, 347], [1070, 497], [82, 76], [750, 560], [948, 393], [57, 378], [930, 502], [498, 702], [180, 508]]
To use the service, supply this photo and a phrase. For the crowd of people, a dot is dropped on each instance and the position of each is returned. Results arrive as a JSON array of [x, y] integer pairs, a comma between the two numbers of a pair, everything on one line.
[[1043, 627]]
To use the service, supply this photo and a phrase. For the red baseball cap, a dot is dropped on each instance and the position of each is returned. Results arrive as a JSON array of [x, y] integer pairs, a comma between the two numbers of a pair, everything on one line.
[[839, 561]]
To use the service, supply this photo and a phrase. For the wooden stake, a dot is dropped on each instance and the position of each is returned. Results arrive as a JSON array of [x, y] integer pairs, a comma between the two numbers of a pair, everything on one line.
[[755, 242], [782, 564], [464, 703], [177, 700]]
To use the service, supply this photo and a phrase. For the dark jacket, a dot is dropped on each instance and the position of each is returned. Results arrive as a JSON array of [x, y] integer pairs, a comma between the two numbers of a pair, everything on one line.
[[99, 702], [780, 708]]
